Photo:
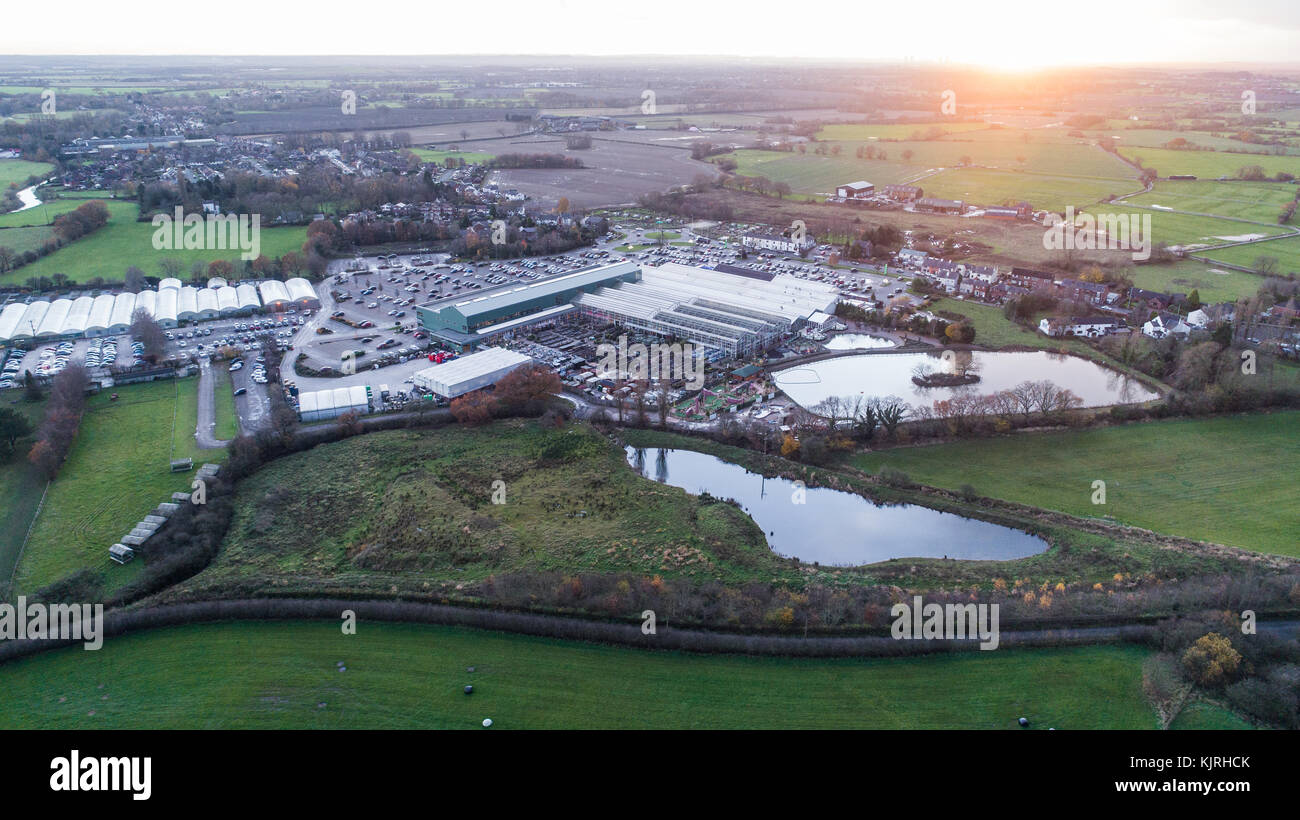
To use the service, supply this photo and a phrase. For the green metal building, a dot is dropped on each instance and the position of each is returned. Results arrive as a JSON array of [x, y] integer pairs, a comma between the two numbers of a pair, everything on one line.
[[464, 322]]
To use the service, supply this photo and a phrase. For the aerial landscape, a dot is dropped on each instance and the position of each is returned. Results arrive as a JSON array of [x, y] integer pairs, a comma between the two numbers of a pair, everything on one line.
[[379, 382]]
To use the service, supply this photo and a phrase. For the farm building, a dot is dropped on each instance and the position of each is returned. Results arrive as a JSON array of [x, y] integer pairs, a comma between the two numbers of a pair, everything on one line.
[[328, 404], [166, 311], [855, 190], [903, 193], [935, 205], [469, 373]]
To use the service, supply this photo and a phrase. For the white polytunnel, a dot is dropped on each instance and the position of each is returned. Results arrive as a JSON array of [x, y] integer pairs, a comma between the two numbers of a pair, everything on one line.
[[275, 296], [30, 321], [248, 300], [302, 293], [207, 301], [187, 304], [10, 318], [148, 301], [227, 300], [101, 315], [123, 307], [165, 311], [52, 324]]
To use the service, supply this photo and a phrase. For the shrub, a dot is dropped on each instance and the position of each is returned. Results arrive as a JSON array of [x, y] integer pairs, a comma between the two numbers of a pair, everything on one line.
[[1211, 661]]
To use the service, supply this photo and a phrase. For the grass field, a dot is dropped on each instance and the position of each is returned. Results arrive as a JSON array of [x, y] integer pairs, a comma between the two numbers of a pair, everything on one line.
[[1201, 715], [17, 171], [1260, 201], [1208, 164], [470, 157], [1229, 480], [1187, 275], [21, 486], [1156, 138], [992, 329], [1285, 251], [124, 242], [861, 133], [20, 240], [983, 186], [117, 471], [43, 214], [404, 676], [227, 418], [1190, 229]]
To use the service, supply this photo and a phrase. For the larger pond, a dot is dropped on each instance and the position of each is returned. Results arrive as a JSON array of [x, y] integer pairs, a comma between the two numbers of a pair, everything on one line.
[[890, 374], [832, 526]]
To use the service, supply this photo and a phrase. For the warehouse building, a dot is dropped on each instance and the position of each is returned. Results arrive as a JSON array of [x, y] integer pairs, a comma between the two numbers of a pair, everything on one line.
[[723, 314], [469, 373], [322, 405]]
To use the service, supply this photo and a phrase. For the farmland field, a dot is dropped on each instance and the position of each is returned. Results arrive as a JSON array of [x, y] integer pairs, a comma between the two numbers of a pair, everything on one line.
[[17, 171], [20, 240], [1210, 164], [1184, 276], [405, 676], [124, 242], [117, 471], [982, 186], [859, 133], [1227, 480], [44, 213], [1189, 229], [470, 157], [1259, 201], [1285, 251]]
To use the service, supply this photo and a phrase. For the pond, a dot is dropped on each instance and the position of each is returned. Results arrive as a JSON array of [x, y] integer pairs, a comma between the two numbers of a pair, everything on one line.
[[890, 374], [833, 527], [858, 341]]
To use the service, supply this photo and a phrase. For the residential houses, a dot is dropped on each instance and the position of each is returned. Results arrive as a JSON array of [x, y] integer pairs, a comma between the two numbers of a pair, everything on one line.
[[1166, 324], [777, 242], [1087, 326]]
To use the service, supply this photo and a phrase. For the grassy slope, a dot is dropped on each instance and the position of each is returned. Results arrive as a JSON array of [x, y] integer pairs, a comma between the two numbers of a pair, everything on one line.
[[117, 472], [411, 507], [124, 241], [1229, 480], [21, 240], [982, 186], [278, 675], [1187, 229]]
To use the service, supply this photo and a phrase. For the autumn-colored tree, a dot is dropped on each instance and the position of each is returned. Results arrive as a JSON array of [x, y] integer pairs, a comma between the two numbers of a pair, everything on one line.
[[473, 408], [349, 423], [562, 207], [1211, 661], [222, 268], [45, 458], [528, 383], [789, 446]]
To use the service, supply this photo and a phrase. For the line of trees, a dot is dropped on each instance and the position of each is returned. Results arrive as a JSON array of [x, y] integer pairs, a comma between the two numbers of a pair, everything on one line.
[[62, 420]]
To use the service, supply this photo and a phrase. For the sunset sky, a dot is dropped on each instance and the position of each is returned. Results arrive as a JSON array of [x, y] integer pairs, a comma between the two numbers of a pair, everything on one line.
[[1011, 34]]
